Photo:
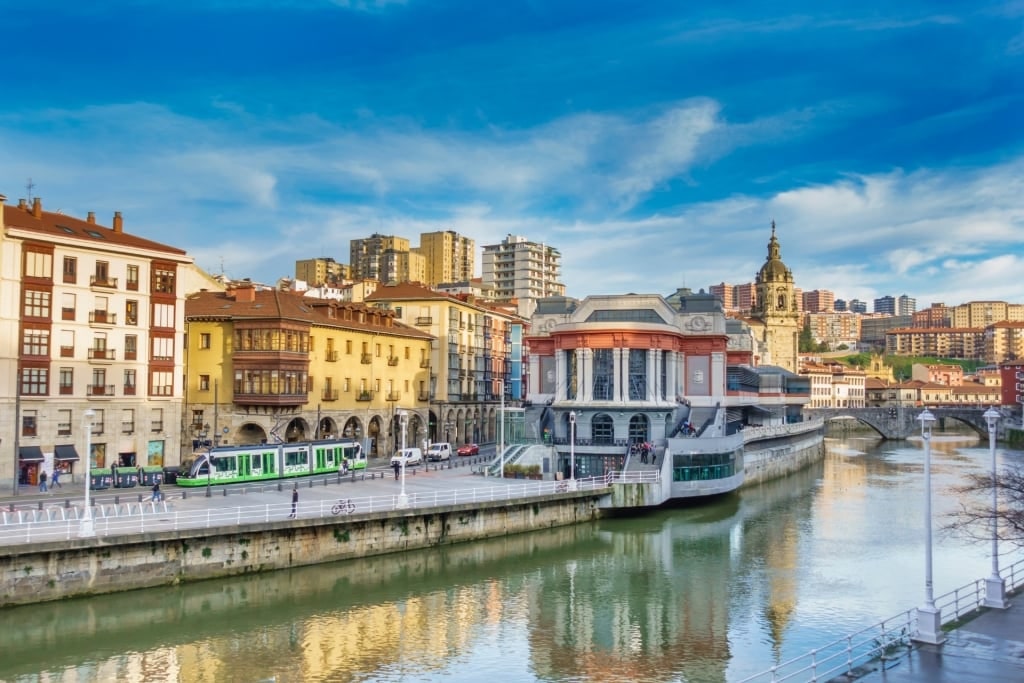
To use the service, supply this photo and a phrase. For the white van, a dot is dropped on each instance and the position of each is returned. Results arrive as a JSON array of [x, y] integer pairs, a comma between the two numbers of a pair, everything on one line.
[[439, 451], [407, 456]]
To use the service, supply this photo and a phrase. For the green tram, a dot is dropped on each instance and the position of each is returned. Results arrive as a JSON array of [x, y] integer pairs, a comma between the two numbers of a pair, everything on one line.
[[261, 462]]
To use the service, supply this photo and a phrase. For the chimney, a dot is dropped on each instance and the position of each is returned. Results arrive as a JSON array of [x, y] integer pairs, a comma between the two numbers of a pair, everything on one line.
[[2, 200], [37, 207], [91, 218], [244, 294], [118, 222], [22, 204]]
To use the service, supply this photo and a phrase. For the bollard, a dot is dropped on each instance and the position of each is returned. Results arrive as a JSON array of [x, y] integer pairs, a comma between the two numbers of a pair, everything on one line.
[[140, 497], [225, 492], [278, 485], [184, 494], [310, 483], [117, 500], [325, 481], [40, 505]]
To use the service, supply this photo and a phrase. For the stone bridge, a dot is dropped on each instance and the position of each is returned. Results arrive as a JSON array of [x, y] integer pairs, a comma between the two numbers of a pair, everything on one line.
[[899, 422]]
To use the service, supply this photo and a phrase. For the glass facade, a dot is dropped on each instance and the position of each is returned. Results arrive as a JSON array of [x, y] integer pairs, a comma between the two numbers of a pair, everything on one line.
[[604, 375]]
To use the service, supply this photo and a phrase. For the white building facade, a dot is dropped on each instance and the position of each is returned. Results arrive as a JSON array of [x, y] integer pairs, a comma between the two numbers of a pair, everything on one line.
[[523, 271]]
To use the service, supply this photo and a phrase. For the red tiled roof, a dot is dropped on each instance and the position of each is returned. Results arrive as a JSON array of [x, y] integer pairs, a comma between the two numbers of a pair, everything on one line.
[[60, 227], [274, 304]]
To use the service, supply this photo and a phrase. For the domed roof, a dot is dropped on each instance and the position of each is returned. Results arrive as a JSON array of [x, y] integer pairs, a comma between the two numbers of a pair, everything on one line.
[[774, 269]]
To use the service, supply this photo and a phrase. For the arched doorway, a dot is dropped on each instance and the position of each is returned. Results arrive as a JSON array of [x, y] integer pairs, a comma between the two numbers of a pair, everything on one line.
[[297, 430], [248, 434], [353, 429], [602, 429], [639, 429], [327, 429], [373, 434]]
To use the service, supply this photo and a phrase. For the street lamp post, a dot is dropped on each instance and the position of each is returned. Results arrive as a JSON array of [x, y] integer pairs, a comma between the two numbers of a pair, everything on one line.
[[572, 450], [929, 617], [85, 527], [995, 587], [403, 500], [501, 427]]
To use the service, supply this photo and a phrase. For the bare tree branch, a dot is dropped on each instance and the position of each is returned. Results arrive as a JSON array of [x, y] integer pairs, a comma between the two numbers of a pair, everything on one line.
[[974, 518]]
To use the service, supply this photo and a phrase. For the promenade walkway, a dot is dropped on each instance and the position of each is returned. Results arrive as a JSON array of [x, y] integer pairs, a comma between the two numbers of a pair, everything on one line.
[[986, 649]]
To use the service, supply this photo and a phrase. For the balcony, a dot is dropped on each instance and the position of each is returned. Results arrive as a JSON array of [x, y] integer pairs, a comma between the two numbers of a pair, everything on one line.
[[67, 352], [131, 355], [132, 285], [102, 354], [103, 281], [393, 396], [365, 359], [425, 363], [329, 395], [364, 396], [67, 314], [281, 400], [423, 396], [392, 361], [102, 318], [99, 389], [129, 390], [424, 320], [67, 390], [331, 356]]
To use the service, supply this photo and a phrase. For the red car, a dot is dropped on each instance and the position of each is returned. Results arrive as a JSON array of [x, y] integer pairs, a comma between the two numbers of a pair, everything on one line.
[[468, 449]]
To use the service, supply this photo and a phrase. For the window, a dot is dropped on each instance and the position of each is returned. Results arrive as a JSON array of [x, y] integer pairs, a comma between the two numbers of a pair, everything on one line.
[[38, 265], [204, 382], [67, 344], [35, 381], [163, 315], [348, 346], [161, 383], [127, 420], [129, 382], [70, 269], [37, 304], [131, 347], [376, 350], [28, 423], [163, 348], [67, 381], [35, 343], [102, 273], [67, 306], [97, 422], [204, 340], [64, 422], [163, 281], [99, 383], [157, 424], [131, 312], [133, 278], [347, 384]]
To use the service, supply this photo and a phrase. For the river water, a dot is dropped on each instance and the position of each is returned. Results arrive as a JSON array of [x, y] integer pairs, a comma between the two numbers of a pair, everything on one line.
[[704, 593]]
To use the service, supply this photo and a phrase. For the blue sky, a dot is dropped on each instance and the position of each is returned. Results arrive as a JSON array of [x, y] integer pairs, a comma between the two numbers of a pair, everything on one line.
[[652, 143]]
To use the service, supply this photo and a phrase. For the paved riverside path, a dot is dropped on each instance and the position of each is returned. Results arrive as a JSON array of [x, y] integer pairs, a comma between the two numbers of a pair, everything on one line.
[[986, 649]]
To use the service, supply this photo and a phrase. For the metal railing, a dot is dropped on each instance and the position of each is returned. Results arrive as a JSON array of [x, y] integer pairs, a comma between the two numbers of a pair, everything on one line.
[[886, 640], [57, 523]]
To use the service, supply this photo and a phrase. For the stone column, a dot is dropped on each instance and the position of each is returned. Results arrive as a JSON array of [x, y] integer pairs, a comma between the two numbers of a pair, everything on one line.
[[535, 378], [587, 376], [560, 374], [652, 375], [580, 363]]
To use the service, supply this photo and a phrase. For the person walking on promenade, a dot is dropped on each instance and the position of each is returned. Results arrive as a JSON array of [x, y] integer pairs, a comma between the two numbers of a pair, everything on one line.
[[157, 496], [42, 481], [295, 500], [395, 466], [55, 481]]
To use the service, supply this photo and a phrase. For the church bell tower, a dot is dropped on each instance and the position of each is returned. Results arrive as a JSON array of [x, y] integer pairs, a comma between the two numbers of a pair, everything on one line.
[[776, 308]]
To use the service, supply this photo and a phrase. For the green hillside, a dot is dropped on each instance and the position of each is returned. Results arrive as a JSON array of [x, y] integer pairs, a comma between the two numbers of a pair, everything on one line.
[[901, 364]]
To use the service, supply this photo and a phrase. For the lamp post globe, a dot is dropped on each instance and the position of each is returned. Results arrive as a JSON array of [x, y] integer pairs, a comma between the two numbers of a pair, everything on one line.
[[85, 526], [995, 587], [929, 617]]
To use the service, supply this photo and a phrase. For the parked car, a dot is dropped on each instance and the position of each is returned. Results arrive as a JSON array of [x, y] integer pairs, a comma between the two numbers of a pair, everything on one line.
[[439, 451], [468, 449], [410, 456]]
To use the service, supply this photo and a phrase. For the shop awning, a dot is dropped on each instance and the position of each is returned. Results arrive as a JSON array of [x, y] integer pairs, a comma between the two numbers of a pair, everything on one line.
[[67, 453], [30, 454]]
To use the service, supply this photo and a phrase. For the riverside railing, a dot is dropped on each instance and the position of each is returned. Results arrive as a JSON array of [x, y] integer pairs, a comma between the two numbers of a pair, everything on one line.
[[886, 640], [146, 517]]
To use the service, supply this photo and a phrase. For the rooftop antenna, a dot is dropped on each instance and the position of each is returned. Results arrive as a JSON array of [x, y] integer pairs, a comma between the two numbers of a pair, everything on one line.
[[28, 186]]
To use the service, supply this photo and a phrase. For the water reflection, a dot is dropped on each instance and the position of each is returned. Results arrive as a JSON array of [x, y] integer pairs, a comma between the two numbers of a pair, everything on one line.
[[699, 593]]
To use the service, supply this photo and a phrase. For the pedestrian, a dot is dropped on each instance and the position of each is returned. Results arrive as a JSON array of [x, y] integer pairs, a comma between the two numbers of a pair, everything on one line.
[[395, 466], [156, 493], [42, 481], [55, 482], [295, 500]]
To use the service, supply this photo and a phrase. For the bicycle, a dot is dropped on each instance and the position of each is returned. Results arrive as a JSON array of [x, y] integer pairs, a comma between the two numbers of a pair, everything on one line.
[[343, 505]]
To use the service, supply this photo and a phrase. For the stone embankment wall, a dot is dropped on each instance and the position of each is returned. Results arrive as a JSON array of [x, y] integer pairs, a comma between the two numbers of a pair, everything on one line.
[[51, 571], [776, 460]]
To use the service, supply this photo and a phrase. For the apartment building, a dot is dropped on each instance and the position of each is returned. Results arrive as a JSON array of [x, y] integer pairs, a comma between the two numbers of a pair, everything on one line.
[[984, 313], [835, 328], [1004, 341], [476, 356], [939, 342], [385, 258], [275, 366], [322, 272], [938, 373], [522, 271], [819, 301], [936, 315], [834, 385], [449, 257], [890, 305], [96, 343]]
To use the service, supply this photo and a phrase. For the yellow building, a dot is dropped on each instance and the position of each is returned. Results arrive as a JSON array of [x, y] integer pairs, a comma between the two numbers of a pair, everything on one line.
[[271, 365], [1004, 341], [938, 342], [984, 313], [322, 271], [449, 257], [472, 362], [775, 317]]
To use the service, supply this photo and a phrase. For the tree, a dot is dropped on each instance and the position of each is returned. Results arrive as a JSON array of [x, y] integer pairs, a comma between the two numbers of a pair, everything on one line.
[[806, 342], [974, 518]]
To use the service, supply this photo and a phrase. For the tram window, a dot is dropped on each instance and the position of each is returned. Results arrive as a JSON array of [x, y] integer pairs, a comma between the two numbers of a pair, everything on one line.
[[225, 464]]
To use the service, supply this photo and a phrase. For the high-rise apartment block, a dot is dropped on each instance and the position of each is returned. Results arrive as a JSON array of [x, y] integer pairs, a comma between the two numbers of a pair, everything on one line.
[[318, 272], [819, 301], [735, 297], [382, 257], [449, 257], [984, 313], [523, 271], [936, 315], [890, 305], [857, 306]]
